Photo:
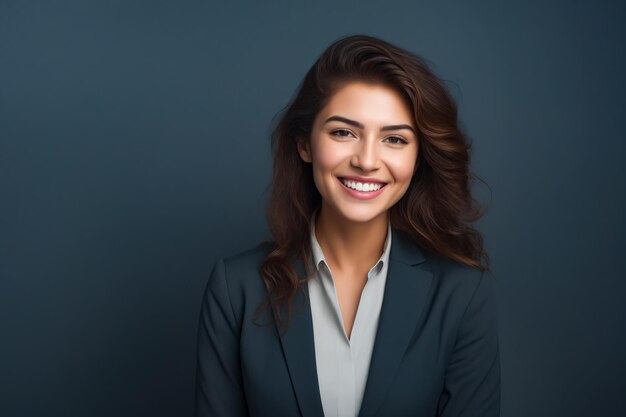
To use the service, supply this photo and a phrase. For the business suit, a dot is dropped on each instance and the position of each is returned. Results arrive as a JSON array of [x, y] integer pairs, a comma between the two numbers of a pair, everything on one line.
[[436, 351]]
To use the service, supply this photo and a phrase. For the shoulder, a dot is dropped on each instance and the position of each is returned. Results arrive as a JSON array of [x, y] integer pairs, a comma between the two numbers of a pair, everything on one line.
[[445, 271], [236, 279], [451, 270], [452, 282], [248, 259], [465, 294], [241, 271], [456, 273]]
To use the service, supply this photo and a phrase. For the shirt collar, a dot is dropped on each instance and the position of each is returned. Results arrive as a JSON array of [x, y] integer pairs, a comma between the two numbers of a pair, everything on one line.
[[318, 255]]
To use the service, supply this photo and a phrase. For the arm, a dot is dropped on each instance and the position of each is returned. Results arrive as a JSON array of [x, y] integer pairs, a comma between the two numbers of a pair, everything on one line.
[[219, 390], [472, 379]]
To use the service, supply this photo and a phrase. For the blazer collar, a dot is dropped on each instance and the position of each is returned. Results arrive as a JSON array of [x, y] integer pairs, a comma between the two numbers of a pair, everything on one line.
[[403, 306]]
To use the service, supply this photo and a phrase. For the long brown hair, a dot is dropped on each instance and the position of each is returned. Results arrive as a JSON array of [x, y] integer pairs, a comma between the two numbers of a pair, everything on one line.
[[437, 209]]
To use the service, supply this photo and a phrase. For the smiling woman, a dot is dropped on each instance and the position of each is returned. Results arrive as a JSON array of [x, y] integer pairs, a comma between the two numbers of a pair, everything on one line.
[[361, 149], [371, 217]]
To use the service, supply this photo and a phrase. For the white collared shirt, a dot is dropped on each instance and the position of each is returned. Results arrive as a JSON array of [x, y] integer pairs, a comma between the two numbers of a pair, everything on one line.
[[342, 363]]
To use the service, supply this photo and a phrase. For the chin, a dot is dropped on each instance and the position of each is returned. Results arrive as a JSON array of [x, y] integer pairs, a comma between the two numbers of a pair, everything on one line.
[[361, 216]]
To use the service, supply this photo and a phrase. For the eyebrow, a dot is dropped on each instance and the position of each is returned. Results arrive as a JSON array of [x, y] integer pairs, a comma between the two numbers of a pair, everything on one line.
[[361, 126]]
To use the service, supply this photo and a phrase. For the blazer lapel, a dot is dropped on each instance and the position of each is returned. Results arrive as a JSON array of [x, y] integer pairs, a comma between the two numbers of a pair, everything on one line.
[[299, 350], [406, 291]]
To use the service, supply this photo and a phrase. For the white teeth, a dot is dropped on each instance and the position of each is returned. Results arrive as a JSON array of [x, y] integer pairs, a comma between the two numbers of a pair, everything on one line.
[[361, 186]]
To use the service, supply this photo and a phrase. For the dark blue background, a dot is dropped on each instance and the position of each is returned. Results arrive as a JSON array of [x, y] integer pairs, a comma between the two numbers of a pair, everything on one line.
[[134, 152]]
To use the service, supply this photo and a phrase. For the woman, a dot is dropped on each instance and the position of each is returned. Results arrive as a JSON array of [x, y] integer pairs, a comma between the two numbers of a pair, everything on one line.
[[373, 298]]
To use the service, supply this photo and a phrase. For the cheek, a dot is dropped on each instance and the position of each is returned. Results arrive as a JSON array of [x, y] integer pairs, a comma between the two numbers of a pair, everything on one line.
[[327, 157], [402, 168], [322, 166]]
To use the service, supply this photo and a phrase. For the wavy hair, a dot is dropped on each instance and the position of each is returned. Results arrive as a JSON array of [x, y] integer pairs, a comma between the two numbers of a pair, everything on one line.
[[436, 211]]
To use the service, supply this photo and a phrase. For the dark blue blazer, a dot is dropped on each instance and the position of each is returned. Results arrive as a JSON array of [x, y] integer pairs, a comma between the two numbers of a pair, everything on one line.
[[436, 349]]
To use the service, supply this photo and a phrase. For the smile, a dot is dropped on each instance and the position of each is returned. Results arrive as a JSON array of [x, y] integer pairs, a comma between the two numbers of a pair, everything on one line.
[[361, 186]]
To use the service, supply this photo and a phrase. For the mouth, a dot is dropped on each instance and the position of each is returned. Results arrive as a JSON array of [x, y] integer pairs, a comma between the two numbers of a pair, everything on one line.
[[363, 186]]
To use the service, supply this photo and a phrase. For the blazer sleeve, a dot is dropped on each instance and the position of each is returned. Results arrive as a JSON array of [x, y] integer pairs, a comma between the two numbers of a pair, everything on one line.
[[219, 388], [472, 377]]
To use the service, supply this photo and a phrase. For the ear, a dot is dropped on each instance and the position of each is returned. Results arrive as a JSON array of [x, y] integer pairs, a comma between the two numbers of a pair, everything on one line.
[[304, 149]]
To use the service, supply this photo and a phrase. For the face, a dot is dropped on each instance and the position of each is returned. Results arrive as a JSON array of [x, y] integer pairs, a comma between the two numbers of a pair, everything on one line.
[[363, 150]]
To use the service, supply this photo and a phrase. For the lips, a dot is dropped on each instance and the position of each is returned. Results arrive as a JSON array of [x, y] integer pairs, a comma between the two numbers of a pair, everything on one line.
[[365, 187]]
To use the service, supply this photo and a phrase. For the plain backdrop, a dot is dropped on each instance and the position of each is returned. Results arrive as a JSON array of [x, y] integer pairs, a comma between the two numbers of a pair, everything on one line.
[[134, 152]]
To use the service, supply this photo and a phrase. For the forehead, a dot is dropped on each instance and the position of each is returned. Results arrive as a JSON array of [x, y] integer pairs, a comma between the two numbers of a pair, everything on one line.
[[368, 103]]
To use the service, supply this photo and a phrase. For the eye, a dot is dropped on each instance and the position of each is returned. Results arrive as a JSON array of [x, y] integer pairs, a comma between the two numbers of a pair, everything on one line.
[[344, 133], [396, 140]]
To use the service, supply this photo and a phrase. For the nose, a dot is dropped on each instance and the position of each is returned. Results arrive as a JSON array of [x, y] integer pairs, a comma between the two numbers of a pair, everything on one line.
[[366, 155]]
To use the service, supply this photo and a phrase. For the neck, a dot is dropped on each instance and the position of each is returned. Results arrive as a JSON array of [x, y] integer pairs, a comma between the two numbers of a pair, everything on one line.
[[350, 246]]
